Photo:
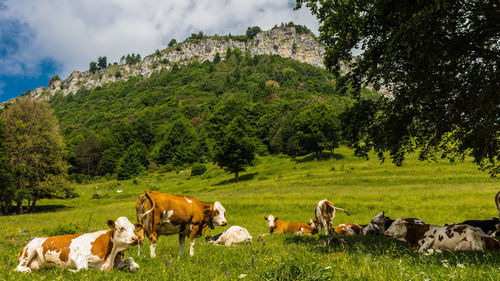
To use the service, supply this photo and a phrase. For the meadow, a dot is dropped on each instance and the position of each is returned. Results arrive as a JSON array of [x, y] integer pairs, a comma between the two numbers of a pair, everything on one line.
[[437, 192]]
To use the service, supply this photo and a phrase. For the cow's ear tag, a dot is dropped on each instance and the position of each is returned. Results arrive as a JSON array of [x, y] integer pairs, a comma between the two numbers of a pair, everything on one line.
[[111, 224]]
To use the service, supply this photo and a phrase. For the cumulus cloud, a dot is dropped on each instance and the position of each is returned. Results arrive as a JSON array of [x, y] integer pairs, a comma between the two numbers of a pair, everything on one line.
[[73, 33]]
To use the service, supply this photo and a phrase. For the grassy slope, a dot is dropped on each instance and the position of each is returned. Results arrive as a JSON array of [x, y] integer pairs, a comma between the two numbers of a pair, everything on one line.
[[289, 188]]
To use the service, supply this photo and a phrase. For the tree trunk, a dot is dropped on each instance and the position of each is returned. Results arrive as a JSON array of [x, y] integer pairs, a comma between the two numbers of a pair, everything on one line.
[[33, 203], [318, 154], [236, 176], [20, 206]]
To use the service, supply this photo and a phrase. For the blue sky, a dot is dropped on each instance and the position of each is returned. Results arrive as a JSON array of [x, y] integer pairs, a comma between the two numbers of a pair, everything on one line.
[[43, 38]]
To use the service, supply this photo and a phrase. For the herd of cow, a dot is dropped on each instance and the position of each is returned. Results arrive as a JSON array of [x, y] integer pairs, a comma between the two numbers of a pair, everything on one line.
[[167, 214]]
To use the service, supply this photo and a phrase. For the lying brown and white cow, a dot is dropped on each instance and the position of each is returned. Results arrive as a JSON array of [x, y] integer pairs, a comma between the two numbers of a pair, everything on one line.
[[380, 223], [279, 227], [325, 213], [454, 237], [348, 229], [233, 235], [167, 214], [101, 250]]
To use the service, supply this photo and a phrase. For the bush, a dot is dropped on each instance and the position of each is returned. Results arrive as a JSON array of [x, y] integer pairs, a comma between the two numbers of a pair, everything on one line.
[[64, 229], [198, 169], [168, 167]]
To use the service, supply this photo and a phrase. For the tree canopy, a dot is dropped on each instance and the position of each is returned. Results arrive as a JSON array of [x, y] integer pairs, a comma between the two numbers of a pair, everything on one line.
[[235, 147], [36, 152], [438, 62]]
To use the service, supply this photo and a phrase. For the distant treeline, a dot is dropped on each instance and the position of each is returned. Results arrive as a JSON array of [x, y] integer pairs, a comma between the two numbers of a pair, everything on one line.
[[176, 118]]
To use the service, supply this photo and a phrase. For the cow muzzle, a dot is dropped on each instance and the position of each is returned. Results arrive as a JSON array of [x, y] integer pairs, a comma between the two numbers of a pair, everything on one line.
[[135, 241]]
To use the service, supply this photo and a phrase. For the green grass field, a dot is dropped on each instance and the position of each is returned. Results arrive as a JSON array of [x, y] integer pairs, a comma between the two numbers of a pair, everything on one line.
[[289, 188]]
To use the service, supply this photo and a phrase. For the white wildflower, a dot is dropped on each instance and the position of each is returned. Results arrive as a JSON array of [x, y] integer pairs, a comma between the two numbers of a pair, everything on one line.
[[242, 276], [328, 267], [119, 191], [460, 265]]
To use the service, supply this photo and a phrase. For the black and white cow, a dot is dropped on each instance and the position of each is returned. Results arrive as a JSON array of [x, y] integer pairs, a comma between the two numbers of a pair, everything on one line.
[[454, 237], [380, 223]]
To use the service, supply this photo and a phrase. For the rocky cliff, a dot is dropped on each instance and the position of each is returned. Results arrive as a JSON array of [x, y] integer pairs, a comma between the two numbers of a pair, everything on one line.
[[282, 41]]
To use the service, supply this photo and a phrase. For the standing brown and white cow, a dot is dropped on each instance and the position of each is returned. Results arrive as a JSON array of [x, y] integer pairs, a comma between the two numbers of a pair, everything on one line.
[[453, 237], [325, 214], [101, 250], [168, 214]]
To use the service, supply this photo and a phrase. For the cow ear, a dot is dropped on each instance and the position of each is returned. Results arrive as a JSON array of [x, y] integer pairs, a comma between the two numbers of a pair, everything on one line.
[[276, 218], [265, 217], [138, 226], [207, 212], [111, 224]]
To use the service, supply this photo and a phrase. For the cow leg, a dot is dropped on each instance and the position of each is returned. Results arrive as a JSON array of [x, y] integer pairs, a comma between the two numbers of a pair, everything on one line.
[[191, 247], [128, 262], [474, 241], [81, 263], [27, 254], [152, 247], [426, 245], [182, 239], [192, 236], [326, 228], [140, 238]]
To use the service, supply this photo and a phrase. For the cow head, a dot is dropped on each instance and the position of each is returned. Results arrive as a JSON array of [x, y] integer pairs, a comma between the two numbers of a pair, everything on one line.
[[123, 231], [398, 229], [377, 225], [314, 223], [218, 214], [271, 222]]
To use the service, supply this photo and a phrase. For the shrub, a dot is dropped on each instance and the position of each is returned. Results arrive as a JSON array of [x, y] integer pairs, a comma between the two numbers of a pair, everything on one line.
[[54, 79], [168, 167], [64, 229], [198, 169]]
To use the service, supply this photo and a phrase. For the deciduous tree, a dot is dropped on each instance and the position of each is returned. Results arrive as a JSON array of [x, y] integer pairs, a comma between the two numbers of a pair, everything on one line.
[[235, 147], [438, 61], [36, 151]]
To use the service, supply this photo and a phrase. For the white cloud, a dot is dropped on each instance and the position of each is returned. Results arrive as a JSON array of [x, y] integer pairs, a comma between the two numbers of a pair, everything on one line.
[[75, 32]]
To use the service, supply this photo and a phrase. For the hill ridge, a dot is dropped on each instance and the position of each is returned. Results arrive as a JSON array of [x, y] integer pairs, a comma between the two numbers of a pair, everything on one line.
[[283, 41]]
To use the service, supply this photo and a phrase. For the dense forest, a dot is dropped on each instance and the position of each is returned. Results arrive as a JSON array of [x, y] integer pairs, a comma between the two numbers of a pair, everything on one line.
[[178, 117]]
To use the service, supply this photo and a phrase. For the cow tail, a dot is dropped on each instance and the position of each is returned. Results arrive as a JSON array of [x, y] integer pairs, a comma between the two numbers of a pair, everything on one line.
[[340, 209], [153, 204]]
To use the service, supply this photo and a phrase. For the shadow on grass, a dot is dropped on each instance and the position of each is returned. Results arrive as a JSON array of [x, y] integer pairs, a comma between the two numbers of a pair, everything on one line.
[[245, 177], [324, 156], [381, 246], [42, 209], [50, 208]]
